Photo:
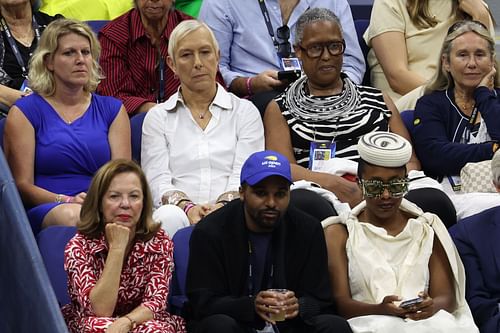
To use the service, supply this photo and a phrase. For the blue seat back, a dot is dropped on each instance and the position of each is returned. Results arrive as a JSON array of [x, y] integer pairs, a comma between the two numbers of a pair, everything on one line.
[[51, 243], [181, 257], [136, 135], [361, 25], [97, 25]]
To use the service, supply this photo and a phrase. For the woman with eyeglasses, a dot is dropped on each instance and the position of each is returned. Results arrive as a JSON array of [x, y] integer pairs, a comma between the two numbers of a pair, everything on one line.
[[457, 120], [394, 268], [405, 37], [324, 108]]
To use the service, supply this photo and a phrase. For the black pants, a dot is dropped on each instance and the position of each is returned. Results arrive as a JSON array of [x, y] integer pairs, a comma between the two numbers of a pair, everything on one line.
[[326, 323], [434, 201]]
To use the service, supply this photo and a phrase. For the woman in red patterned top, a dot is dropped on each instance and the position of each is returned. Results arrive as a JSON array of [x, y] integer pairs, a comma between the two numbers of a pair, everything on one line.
[[120, 263]]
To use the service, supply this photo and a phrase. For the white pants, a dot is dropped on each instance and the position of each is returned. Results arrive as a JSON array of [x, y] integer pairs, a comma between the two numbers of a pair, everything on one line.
[[172, 218]]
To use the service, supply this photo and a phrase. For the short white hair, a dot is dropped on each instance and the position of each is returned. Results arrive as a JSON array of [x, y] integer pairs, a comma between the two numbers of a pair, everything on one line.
[[185, 28]]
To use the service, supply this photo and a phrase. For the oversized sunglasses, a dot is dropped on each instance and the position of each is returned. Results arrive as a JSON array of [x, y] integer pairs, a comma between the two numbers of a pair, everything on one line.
[[284, 48], [397, 188]]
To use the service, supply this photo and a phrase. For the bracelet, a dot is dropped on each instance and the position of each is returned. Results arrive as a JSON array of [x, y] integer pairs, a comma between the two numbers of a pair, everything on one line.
[[495, 147], [59, 198], [174, 197], [249, 86], [133, 323], [188, 206]]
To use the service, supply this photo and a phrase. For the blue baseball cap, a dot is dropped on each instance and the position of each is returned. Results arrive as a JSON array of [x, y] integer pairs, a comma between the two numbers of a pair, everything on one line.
[[264, 164]]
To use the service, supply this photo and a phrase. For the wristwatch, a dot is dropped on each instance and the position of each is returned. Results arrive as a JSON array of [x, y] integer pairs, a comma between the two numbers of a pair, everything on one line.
[[175, 197], [133, 323]]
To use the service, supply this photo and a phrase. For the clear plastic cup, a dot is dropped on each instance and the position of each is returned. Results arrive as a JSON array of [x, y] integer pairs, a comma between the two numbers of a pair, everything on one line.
[[279, 294]]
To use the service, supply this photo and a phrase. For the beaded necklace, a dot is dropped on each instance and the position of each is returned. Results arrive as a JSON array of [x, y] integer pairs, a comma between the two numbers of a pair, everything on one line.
[[303, 106]]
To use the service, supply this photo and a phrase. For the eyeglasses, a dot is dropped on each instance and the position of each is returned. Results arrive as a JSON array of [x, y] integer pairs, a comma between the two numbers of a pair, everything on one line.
[[455, 26], [375, 188], [316, 50], [284, 48]]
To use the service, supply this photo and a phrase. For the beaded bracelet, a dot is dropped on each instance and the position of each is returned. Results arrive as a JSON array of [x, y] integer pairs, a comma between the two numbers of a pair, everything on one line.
[[249, 86], [188, 206]]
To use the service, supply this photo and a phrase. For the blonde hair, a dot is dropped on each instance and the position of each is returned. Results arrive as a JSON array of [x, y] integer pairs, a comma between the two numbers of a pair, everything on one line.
[[418, 10], [185, 28], [442, 79], [40, 77], [91, 222]]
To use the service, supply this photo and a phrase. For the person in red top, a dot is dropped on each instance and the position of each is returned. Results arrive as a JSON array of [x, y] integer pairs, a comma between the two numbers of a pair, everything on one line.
[[134, 50], [120, 262]]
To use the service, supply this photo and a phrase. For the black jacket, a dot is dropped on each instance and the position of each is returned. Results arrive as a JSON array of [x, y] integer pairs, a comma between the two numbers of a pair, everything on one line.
[[218, 266]]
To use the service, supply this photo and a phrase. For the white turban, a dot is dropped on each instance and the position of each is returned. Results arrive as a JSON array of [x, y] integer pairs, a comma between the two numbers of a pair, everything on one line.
[[384, 149]]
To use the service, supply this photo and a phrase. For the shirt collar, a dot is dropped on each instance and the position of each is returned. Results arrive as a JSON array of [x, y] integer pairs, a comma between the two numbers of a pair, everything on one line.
[[138, 30], [222, 99]]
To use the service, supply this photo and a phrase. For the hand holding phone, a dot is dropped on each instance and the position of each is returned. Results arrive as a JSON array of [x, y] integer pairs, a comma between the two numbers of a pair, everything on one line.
[[411, 302], [290, 75]]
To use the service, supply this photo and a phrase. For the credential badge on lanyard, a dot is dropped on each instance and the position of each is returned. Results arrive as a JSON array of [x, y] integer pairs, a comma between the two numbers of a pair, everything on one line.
[[319, 153]]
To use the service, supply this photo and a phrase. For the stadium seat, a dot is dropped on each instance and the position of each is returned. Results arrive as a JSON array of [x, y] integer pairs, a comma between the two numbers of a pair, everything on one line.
[[97, 25], [51, 243], [181, 257], [136, 131], [361, 25]]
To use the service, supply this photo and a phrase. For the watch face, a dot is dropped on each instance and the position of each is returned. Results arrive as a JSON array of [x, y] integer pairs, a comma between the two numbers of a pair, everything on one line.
[[174, 198]]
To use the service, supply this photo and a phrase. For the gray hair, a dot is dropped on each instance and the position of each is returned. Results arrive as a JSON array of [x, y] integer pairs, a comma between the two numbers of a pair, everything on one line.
[[495, 168], [443, 80], [314, 15], [185, 28]]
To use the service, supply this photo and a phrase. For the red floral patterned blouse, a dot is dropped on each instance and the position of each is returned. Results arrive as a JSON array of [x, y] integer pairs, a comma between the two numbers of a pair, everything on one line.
[[145, 280]]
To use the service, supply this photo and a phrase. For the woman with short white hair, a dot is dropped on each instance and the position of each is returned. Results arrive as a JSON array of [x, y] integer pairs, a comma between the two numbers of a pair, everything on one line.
[[194, 144]]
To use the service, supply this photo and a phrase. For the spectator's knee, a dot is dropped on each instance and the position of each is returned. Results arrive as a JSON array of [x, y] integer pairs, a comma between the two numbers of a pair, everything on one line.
[[172, 218]]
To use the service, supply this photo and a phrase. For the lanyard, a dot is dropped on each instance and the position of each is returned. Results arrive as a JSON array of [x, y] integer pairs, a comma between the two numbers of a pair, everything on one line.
[[13, 44], [267, 19], [161, 74], [251, 264]]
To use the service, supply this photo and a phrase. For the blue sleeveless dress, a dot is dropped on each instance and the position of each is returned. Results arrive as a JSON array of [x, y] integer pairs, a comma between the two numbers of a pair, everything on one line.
[[67, 155]]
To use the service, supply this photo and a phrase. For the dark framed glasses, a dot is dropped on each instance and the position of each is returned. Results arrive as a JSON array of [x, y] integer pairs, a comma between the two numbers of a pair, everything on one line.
[[455, 26], [284, 48], [316, 50], [397, 188]]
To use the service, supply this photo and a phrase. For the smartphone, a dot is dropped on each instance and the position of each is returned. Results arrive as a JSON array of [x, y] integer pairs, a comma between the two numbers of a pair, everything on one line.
[[290, 75], [411, 302]]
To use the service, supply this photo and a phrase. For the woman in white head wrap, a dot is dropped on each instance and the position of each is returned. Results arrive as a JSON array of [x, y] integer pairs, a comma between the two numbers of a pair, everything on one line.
[[384, 252]]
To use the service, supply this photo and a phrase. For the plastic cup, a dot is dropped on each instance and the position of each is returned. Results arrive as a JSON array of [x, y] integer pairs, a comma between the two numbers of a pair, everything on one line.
[[279, 294]]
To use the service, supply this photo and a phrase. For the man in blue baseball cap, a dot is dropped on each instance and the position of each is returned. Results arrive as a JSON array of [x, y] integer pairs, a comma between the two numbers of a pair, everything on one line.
[[258, 265]]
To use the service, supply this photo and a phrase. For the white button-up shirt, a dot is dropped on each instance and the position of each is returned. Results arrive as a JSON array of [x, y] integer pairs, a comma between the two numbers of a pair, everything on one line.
[[177, 154]]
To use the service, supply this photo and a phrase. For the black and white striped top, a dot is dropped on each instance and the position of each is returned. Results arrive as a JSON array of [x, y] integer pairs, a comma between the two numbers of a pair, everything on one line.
[[342, 118]]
